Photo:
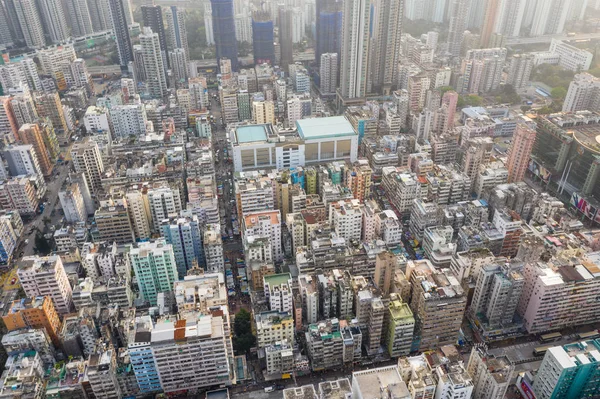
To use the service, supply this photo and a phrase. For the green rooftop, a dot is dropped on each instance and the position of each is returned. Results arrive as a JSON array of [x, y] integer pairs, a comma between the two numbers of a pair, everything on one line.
[[251, 134], [320, 128], [277, 279], [400, 310]]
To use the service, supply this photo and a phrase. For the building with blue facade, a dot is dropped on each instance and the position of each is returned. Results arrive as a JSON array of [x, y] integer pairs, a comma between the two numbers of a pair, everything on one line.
[[569, 371], [262, 38], [142, 357], [185, 237], [329, 28], [224, 31]]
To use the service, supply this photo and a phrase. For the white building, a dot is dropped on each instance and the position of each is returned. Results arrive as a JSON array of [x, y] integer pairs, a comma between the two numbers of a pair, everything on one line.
[[213, 249], [128, 120], [346, 218], [328, 73], [156, 80], [96, 120], [72, 203], [46, 276], [265, 224], [278, 291], [163, 203]]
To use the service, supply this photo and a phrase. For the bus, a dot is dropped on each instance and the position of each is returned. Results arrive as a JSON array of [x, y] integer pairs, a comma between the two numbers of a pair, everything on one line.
[[550, 337], [541, 350], [589, 335]]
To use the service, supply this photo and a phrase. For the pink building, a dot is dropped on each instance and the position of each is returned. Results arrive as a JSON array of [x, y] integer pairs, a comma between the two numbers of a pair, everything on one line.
[[519, 153]]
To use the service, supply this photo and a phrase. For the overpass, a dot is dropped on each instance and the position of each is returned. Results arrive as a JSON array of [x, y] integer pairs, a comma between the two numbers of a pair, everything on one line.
[[515, 41], [99, 70]]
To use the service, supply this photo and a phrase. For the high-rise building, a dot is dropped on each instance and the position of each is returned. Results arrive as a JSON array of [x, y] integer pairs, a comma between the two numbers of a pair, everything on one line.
[[71, 201], [128, 120], [22, 160], [78, 17], [491, 374], [519, 70], [278, 292], [569, 371], [53, 20], [496, 296], [401, 325], [48, 105], [502, 17], [355, 48], [6, 27], [46, 276], [262, 38], [224, 31], [386, 44], [177, 32], [165, 355], [583, 94], [113, 222], [328, 27], [31, 134], [34, 312], [8, 122], [163, 202], [87, 160], [120, 27], [328, 73], [438, 306], [155, 268], [156, 80], [550, 17], [263, 112], [179, 66], [208, 24], [100, 15], [186, 239], [30, 23], [458, 25], [286, 37], [152, 17], [519, 153]]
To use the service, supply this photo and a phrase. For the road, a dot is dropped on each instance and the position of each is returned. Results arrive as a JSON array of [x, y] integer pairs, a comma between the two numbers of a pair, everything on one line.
[[53, 185], [548, 38]]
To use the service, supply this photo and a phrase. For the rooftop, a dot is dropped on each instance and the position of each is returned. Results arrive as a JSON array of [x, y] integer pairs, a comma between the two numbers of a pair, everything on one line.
[[318, 128], [277, 279], [251, 133], [381, 383], [335, 389]]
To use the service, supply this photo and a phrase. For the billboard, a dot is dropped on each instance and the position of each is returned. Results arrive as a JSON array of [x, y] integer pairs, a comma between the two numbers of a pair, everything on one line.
[[539, 171], [584, 207]]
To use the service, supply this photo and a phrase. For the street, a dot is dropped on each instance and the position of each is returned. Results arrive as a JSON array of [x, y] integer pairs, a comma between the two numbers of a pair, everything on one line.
[[53, 185]]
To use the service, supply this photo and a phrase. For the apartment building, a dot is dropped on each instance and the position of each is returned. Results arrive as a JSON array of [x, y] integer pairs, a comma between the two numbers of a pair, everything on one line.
[[438, 304], [401, 325], [36, 312], [155, 268], [491, 374], [46, 276], [278, 292]]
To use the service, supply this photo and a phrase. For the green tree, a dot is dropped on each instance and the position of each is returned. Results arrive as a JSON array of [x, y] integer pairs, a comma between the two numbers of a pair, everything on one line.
[[525, 108], [558, 93], [42, 244], [243, 339]]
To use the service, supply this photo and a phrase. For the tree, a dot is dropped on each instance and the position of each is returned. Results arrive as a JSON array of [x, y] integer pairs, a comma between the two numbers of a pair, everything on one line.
[[243, 340], [42, 244], [525, 108], [558, 93]]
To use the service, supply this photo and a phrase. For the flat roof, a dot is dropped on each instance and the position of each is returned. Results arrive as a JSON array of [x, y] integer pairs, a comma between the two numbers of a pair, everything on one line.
[[251, 133], [318, 128]]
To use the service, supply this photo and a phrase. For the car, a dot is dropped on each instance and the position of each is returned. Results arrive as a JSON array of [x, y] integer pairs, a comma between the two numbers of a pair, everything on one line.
[[27, 241], [14, 280]]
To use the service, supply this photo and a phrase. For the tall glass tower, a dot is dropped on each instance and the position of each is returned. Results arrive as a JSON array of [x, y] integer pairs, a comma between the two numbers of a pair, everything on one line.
[[224, 31]]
